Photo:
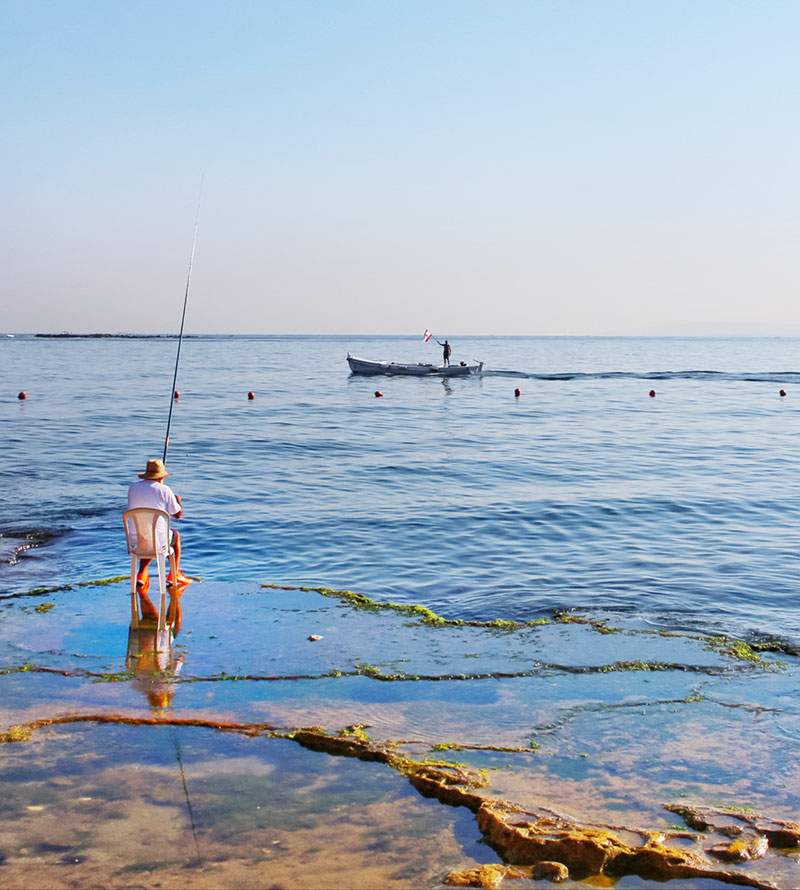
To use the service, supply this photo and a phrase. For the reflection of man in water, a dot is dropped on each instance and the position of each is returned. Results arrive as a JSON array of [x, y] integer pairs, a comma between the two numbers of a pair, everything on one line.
[[445, 353]]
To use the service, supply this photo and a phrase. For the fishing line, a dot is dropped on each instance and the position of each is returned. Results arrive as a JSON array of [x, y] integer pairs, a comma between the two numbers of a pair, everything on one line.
[[186, 795], [183, 319], [180, 475]]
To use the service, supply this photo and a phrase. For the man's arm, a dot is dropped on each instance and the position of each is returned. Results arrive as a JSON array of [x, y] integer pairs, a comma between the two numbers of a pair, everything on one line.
[[180, 512]]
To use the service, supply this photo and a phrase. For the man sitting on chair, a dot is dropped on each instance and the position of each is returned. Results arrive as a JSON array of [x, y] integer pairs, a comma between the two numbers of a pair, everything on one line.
[[151, 492]]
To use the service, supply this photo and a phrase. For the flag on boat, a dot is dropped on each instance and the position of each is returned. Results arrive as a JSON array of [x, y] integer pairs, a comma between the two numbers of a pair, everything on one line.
[[427, 335]]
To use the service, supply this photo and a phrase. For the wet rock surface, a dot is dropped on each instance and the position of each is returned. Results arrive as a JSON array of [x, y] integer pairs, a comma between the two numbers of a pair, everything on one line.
[[566, 745]]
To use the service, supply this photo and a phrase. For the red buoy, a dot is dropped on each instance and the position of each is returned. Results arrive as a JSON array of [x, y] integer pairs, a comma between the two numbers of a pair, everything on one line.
[[782, 392], [177, 394], [652, 393], [517, 393], [22, 395], [251, 395], [378, 394]]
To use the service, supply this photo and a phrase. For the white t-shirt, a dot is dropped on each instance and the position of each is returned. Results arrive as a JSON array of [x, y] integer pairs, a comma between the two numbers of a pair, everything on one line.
[[156, 495]]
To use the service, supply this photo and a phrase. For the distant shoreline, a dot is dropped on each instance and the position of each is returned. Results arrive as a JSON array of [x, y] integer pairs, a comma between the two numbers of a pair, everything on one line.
[[66, 336]]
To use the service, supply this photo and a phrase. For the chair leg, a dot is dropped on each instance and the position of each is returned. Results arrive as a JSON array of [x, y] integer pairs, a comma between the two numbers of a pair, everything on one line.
[[134, 598], [162, 589]]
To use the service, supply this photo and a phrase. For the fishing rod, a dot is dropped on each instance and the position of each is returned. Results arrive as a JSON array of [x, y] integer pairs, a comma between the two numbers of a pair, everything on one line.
[[183, 320]]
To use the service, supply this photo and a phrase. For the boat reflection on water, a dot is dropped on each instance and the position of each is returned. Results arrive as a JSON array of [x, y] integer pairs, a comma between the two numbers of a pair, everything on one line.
[[151, 656]]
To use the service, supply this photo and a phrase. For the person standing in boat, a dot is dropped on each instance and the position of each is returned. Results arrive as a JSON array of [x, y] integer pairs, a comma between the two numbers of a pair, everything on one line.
[[150, 491], [445, 353]]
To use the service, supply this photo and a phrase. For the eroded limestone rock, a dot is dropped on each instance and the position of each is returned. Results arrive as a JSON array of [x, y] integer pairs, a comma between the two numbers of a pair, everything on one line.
[[489, 877], [550, 871], [527, 838], [732, 822], [525, 841], [744, 849]]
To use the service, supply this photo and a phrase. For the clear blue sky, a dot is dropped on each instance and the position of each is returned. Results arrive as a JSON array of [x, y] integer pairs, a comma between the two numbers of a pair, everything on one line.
[[537, 167]]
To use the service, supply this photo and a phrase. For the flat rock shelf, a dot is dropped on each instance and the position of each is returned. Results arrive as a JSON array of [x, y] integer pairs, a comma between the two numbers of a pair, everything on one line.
[[316, 738]]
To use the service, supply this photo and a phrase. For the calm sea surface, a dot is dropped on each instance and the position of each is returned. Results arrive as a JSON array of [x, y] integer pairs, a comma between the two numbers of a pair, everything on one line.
[[583, 493]]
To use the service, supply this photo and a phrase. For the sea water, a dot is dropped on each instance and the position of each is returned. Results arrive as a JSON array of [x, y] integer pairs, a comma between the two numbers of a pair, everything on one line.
[[584, 492], [658, 523]]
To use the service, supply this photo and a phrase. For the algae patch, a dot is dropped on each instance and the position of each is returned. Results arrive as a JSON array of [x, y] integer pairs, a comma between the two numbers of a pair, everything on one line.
[[425, 615], [733, 648], [356, 730], [99, 582], [16, 734]]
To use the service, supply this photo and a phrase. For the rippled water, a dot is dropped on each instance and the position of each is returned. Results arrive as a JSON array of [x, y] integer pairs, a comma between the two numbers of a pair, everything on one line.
[[583, 492]]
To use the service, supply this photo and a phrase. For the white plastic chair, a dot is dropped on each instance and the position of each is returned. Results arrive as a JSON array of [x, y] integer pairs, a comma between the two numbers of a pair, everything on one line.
[[148, 535]]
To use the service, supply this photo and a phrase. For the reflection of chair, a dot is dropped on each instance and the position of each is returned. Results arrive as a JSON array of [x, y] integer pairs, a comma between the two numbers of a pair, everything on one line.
[[154, 664], [148, 534]]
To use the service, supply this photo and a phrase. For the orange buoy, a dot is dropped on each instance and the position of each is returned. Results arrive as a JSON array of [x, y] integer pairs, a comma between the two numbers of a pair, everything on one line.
[[782, 392], [251, 395], [378, 394], [177, 394], [22, 395], [517, 393], [652, 393]]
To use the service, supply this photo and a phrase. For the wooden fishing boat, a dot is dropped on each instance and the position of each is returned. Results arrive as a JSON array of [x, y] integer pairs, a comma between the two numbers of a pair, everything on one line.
[[408, 369]]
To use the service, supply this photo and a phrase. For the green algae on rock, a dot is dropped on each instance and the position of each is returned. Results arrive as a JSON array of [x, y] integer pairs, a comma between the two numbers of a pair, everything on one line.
[[103, 582], [43, 591], [16, 734], [425, 615], [100, 582], [733, 648], [743, 849], [736, 649], [357, 730]]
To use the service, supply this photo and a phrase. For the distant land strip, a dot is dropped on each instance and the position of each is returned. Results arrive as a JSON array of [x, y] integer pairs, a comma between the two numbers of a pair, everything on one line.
[[65, 335]]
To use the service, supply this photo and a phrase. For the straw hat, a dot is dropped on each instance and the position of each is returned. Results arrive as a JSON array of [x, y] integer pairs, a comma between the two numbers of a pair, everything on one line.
[[155, 470]]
